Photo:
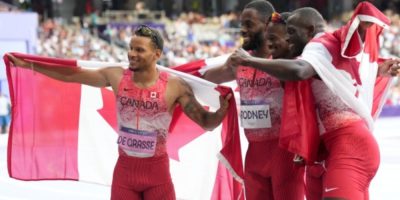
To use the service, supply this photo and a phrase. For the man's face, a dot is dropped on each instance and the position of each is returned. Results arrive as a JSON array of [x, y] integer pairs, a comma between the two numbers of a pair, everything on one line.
[[362, 29], [276, 39], [252, 29], [297, 35], [142, 53]]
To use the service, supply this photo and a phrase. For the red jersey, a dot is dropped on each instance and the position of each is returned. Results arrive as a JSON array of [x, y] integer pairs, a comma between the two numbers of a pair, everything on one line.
[[261, 98], [332, 112], [143, 117]]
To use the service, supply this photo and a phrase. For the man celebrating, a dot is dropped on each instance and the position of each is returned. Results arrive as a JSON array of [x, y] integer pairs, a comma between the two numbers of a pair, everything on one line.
[[145, 100], [269, 170], [343, 67]]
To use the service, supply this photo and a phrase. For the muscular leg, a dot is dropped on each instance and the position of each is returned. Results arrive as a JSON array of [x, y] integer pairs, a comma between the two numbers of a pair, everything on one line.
[[161, 192], [257, 187], [314, 187], [120, 193], [138, 179], [287, 177], [121, 188], [256, 180], [352, 163]]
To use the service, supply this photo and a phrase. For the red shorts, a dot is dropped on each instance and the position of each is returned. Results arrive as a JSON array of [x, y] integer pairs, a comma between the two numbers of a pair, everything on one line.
[[270, 173], [142, 178], [351, 163]]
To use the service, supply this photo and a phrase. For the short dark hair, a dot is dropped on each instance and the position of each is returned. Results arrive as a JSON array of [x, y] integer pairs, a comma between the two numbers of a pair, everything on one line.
[[263, 7], [153, 34], [310, 15]]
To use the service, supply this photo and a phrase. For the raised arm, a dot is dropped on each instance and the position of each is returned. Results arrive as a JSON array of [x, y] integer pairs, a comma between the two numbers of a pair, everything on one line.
[[283, 69], [96, 78], [192, 108]]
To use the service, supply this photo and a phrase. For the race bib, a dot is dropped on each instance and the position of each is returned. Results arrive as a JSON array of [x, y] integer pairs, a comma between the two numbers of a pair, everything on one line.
[[255, 116], [137, 142]]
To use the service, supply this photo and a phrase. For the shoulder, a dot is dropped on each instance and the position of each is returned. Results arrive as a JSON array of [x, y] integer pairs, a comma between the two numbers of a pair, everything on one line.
[[176, 82], [178, 86], [113, 71], [325, 42], [321, 48], [113, 75]]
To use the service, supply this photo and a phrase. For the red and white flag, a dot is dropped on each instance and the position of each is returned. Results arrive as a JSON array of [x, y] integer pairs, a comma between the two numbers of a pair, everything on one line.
[[67, 131], [349, 66]]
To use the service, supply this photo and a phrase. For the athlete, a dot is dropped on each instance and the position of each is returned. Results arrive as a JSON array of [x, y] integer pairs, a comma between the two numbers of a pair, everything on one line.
[[269, 170], [352, 157], [146, 99]]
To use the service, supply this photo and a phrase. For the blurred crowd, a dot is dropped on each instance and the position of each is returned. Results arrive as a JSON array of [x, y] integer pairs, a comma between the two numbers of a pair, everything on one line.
[[189, 37], [391, 47]]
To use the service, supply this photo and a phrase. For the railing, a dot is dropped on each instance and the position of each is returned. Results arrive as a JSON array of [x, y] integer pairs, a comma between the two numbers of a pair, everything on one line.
[[129, 16]]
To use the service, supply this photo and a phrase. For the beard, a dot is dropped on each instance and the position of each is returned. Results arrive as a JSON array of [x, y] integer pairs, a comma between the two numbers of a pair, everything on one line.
[[254, 43], [297, 49]]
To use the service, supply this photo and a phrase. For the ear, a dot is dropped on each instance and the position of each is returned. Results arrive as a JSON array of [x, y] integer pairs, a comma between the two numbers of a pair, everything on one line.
[[158, 53], [311, 31]]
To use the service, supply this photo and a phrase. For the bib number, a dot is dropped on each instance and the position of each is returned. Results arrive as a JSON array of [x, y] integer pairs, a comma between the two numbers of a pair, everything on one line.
[[137, 142], [255, 116]]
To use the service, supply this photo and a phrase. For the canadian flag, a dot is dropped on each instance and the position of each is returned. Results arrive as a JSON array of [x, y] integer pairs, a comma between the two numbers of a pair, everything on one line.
[[66, 131], [349, 68]]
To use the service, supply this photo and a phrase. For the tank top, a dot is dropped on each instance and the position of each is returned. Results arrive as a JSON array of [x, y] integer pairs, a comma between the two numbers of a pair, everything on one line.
[[261, 98], [143, 117], [332, 112]]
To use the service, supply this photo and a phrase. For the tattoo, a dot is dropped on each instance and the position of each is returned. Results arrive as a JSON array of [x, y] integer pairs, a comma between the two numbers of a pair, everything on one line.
[[190, 105]]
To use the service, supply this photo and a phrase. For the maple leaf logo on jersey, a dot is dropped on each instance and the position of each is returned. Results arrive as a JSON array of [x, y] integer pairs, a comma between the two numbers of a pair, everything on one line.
[[154, 95]]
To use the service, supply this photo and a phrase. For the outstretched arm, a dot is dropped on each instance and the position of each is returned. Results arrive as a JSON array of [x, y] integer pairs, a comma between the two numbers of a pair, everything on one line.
[[96, 78], [283, 69], [195, 111]]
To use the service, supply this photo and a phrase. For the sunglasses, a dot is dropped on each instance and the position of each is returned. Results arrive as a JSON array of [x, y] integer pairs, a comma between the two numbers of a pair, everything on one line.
[[276, 18], [146, 31]]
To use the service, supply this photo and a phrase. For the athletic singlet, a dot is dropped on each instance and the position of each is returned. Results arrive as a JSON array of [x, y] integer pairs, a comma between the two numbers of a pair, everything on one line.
[[260, 104], [332, 112], [143, 117]]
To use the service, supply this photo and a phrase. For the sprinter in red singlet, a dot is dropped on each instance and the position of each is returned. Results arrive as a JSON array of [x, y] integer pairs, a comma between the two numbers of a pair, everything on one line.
[[146, 99], [270, 172], [351, 154]]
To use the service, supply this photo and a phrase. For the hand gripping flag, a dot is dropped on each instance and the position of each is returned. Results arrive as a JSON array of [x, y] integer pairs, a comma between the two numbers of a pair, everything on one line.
[[66, 131]]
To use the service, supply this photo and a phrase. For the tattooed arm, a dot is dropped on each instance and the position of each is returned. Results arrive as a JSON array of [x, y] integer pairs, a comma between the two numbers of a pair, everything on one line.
[[192, 108]]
